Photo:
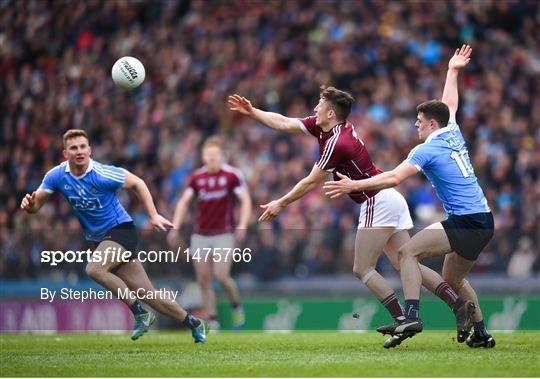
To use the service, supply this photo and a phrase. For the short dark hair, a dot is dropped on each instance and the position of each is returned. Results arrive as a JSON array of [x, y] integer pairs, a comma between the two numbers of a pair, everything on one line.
[[435, 109], [340, 101]]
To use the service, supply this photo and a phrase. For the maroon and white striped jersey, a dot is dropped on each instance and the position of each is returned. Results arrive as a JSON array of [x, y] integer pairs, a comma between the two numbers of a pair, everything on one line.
[[215, 193], [342, 151]]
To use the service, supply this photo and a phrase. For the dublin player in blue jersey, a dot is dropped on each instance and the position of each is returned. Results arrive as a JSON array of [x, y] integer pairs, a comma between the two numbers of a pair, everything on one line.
[[90, 188], [444, 159]]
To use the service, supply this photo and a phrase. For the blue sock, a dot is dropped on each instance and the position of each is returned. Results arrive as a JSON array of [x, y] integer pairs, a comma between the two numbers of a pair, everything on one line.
[[191, 321], [412, 307], [480, 329], [137, 308]]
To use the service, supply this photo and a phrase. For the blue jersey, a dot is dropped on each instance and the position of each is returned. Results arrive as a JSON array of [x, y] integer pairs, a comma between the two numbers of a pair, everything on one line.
[[92, 196], [444, 159]]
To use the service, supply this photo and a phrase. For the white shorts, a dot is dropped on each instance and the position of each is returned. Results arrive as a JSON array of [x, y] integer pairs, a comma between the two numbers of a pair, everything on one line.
[[387, 208], [215, 243]]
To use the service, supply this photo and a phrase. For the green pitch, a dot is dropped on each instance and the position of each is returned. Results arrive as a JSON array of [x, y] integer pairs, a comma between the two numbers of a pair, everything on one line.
[[261, 354]]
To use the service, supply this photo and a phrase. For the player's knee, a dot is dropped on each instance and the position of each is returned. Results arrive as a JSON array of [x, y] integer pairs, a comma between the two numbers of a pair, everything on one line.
[[404, 252], [364, 273], [204, 280], [94, 271], [222, 278], [357, 271]]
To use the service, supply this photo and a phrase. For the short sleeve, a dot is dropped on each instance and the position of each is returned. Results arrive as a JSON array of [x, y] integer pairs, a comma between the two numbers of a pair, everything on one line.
[[333, 154], [110, 177], [420, 156], [238, 182], [452, 125], [191, 184], [309, 126], [50, 181]]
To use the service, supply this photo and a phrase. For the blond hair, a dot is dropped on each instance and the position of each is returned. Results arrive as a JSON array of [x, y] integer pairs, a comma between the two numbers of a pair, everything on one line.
[[213, 141], [73, 133]]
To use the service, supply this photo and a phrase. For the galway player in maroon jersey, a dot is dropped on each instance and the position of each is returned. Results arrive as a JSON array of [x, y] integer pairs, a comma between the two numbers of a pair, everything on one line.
[[384, 215], [215, 186]]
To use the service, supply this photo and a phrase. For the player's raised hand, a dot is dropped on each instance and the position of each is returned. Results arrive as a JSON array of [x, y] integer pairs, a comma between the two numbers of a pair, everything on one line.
[[28, 201], [340, 187], [240, 104], [461, 58], [271, 210], [161, 223]]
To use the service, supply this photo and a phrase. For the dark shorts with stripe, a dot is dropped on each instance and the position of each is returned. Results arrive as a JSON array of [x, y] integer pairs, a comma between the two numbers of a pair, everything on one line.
[[469, 234], [124, 234]]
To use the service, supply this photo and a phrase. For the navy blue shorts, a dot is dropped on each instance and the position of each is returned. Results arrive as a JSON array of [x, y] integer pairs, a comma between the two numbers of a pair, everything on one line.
[[124, 234], [469, 234]]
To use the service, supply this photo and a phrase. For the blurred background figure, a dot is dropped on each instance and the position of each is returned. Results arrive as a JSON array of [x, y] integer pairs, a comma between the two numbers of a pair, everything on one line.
[[217, 238]]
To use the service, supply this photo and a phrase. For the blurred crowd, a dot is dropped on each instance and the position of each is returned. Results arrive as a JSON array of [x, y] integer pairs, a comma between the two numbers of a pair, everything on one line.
[[55, 62]]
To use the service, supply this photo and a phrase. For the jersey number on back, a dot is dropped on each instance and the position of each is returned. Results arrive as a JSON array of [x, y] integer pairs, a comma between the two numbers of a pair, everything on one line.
[[463, 162]]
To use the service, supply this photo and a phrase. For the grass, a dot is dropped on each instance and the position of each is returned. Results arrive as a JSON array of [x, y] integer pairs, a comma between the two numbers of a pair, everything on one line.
[[255, 354]]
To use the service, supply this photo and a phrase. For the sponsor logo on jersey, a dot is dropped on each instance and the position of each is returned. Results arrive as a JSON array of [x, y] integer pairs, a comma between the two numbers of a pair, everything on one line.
[[84, 203], [205, 195]]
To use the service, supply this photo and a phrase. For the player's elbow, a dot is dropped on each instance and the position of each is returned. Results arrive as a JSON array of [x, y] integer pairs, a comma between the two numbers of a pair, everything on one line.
[[393, 180], [309, 182], [285, 126]]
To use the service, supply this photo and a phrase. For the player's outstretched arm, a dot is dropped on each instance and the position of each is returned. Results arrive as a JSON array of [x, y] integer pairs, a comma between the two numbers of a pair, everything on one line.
[[32, 203], [271, 120], [179, 213], [245, 213], [387, 179], [315, 177], [181, 207], [450, 96], [141, 189]]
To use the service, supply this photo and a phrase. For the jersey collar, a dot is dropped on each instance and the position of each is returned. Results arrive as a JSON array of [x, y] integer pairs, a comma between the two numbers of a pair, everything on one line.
[[342, 123], [436, 133], [214, 173], [88, 169]]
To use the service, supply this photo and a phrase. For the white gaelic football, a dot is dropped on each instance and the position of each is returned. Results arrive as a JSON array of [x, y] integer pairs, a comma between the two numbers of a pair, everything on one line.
[[128, 73]]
